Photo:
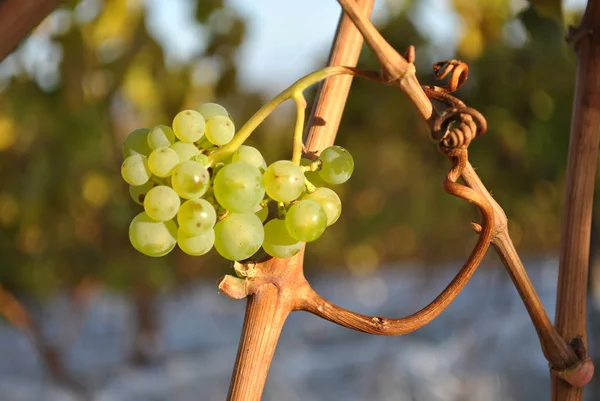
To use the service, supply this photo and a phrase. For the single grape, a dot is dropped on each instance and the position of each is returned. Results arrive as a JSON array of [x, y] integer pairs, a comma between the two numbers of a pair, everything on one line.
[[210, 110], [151, 237], [205, 144], [251, 156], [162, 161], [189, 125], [238, 187], [136, 143], [162, 203], [185, 151], [160, 136], [262, 213], [219, 130], [278, 242], [284, 181], [139, 193], [329, 201], [196, 245], [306, 220], [238, 236], [200, 158], [337, 166], [190, 180], [135, 170], [196, 216]]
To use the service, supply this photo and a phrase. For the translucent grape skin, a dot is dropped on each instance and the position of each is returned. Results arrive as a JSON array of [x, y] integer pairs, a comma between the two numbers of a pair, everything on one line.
[[329, 201], [162, 161], [190, 180], [135, 170], [262, 213], [278, 242], [306, 220], [210, 110], [284, 181], [160, 136], [189, 126], [151, 237], [239, 236], [337, 165], [196, 216], [185, 151], [161, 203], [196, 245], [136, 143], [139, 192], [251, 156], [238, 187], [219, 130]]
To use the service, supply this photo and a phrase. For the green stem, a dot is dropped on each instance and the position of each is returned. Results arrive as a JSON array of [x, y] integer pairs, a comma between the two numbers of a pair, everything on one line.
[[310, 187], [299, 86], [314, 166], [299, 129]]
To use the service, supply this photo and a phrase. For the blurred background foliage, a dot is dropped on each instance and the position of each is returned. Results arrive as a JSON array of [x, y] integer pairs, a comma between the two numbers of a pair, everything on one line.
[[89, 75]]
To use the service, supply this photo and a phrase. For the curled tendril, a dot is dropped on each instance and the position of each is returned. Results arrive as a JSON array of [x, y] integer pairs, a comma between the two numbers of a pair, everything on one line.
[[458, 125]]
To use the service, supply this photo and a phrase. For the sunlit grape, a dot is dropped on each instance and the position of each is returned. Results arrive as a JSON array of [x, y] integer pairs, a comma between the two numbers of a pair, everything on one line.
[[135, 170], [210, 110], [200, 158], [262, 213], [278, 242], [139, 193], [219, 130], [337, 165], [136, 143], [162, 161], [284, 181], [238, 236], [160, 136], [190, 180], [151, 237], [306, 220], [196, 245], [196, 216], [189, 125], [329, 201], [251, 156], [238, 187], [185, 151], [161, 203]]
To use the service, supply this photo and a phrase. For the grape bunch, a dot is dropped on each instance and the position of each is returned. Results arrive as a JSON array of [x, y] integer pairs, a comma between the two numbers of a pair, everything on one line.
[[191, 203]]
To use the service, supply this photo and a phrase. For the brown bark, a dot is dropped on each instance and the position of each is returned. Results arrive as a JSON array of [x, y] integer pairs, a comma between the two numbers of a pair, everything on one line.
[[579, 191], [18, 18]]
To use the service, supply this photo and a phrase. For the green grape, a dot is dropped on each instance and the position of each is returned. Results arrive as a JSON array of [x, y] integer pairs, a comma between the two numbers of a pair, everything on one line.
[[200, 158], [219, 130], [251, 156], [205, 144], [162, 203], [337, 166], [284, 181], [196, 245], [238, 236], [135, 170], [185, 151], [329, 201], [312, 176], [188, 126], [136, 143], [238, 187], [262, 213], [162, 161], [151, 237], [196, 216], [278, 242], [210, 110], [139, 193], [306, 220], [190, 180], [160, 136]]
